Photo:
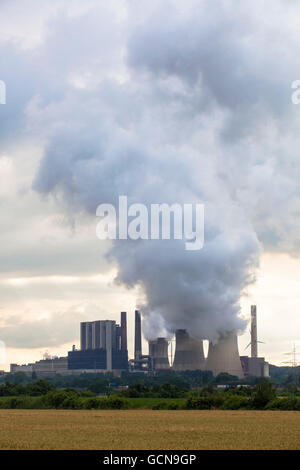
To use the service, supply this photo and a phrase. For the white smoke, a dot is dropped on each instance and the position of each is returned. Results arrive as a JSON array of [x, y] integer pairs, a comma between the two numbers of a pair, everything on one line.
[[96, 156], [166, 103]]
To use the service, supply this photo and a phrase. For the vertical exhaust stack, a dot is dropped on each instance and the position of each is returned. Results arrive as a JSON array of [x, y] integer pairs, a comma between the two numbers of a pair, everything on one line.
[[224, 357], [158, 351], [123, 331], [189, 353], [253, 331], [137, 336]]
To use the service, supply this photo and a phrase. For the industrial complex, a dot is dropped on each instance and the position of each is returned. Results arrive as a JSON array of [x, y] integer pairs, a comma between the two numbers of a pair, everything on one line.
[[103, 348]]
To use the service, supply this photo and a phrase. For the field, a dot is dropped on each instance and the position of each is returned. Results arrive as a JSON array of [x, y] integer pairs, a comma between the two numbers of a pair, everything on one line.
[[147, 429], [148, 403]]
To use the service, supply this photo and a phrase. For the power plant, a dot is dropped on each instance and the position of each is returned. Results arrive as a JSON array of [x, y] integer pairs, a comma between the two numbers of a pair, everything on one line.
[[137, 336], [158, 352], [253, 331], [124, 331], [103, 348], [189, 353], [254, 365], [224, 356]]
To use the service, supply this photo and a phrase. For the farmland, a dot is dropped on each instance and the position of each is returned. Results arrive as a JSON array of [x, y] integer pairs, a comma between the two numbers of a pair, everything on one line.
[[149, 429]]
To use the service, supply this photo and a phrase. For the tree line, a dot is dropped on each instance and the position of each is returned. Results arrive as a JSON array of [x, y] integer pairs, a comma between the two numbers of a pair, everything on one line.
[[43, 395]]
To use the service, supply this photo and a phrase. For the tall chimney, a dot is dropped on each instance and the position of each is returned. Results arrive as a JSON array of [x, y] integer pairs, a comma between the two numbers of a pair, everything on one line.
[[138, 336], [123, 331], [253, 331], [224, 356], [189, 353]]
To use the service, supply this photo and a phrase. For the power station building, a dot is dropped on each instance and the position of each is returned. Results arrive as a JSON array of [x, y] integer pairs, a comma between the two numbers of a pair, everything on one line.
[[158, 353], [103, 349], [100, 335], [46, 367], [140, 362], [103, 346], [223, 356], [137, 336], [254, 365], [189, 353]]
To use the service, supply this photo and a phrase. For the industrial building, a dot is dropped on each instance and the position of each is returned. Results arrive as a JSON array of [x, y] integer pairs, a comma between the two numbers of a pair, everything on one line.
[[103, 348], [98, 360], [189, 353], [44, 367], [137, 336], [100, 335], [254, 365], [158, 353], [224, 356], [26, 368], [140, 363]]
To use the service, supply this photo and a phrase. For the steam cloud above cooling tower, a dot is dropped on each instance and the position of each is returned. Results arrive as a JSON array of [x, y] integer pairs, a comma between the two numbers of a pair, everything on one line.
[[166, 107]]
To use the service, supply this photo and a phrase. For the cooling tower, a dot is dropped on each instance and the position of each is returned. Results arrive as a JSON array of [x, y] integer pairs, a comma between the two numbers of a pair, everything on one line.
[[224, 357], [158, 351], [189, 353]]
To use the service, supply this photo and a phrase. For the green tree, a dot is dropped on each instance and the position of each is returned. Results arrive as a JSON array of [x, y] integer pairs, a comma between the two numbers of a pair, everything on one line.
[[263, 394], [41, 387], [225, 379]]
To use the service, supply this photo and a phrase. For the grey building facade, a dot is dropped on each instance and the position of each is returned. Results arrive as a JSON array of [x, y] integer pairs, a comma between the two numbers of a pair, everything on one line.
[[101, 346]]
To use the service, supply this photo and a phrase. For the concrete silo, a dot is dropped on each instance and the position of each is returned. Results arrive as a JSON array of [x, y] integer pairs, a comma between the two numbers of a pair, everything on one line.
[[158, 351], [224, 356], [189, 353]]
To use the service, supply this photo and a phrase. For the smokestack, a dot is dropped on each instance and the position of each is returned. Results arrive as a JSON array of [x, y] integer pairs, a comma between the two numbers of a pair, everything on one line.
[[138, 336], [158, 351], [253, 331], [189, 353], [123, 331], [224, 357]]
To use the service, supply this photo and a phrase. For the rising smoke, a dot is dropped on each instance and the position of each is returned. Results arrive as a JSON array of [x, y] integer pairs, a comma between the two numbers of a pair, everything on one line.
[[189, 116]]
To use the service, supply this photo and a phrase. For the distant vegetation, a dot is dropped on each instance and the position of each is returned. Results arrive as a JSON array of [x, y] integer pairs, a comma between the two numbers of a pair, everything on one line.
[[44, 395], [102, 383], [187, 380]]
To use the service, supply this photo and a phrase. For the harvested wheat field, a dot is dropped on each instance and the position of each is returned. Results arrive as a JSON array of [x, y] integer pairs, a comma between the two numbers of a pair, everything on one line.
[[147, 429]]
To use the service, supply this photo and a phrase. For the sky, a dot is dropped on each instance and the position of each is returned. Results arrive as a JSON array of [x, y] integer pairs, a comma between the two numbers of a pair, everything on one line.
[[163, 101]]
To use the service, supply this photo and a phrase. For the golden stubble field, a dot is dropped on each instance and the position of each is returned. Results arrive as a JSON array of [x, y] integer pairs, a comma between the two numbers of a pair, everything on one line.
[[149, 430]]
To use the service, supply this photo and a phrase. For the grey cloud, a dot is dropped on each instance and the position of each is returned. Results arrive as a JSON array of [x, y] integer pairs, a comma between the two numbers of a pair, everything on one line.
[[59, 329]]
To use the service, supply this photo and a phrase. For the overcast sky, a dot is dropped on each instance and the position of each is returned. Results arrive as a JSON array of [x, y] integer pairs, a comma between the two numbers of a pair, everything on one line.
[[164, 101]]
